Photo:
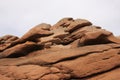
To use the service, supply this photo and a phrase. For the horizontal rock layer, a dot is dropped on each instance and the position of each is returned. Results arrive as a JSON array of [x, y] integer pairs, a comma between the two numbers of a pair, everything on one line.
[[72, 49]]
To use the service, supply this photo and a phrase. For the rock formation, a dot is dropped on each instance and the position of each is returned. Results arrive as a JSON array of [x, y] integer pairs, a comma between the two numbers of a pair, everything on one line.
[[72, 49]]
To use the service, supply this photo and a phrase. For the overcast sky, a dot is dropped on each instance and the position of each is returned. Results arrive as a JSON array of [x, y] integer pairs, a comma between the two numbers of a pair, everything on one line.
[[18, 16]]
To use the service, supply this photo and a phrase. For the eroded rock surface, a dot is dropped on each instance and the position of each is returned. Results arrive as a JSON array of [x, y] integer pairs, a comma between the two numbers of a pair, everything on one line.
[[72, 49], [6, 40]]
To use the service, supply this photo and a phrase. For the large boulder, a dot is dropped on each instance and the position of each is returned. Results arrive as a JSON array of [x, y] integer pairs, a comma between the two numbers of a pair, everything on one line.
[[72, 49]]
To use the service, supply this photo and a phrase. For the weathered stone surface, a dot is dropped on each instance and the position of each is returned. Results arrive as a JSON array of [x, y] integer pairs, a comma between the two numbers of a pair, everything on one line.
[[6, 40], [53, 56], [65, 22], [38, 31], [19, 50], [78, 23], [56, 38], [69, 50], [109, 75], [97, 62]]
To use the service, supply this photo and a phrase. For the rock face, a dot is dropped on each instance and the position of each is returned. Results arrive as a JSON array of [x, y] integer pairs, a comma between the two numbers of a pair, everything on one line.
[[72, 49]]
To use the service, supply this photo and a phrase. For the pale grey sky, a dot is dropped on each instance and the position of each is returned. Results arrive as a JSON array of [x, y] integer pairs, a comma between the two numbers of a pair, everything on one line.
[[18, 16]]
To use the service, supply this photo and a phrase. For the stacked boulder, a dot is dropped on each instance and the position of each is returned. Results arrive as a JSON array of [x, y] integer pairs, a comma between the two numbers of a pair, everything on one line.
[[72, 49]]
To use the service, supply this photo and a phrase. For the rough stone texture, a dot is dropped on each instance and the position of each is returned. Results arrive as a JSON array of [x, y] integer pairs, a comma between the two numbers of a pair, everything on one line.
[[19, 50], [38, 31], [69, 50], [6, 40]]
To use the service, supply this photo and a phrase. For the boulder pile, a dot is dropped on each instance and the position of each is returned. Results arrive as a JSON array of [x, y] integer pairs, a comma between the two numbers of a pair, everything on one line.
[[71, 49]]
